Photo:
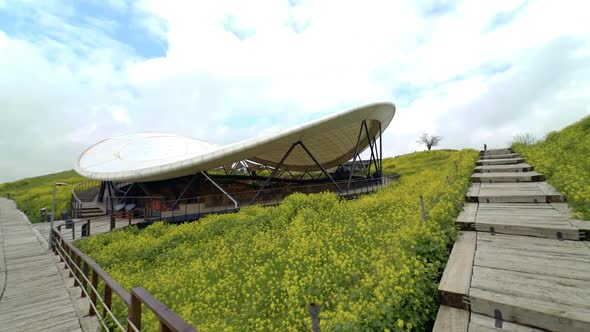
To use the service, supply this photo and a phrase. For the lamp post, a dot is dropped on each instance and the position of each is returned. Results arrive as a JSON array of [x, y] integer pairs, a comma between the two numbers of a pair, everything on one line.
[[57, 184]]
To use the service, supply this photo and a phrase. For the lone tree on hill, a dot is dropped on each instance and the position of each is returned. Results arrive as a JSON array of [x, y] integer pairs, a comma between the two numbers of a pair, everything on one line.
[[429, 141]]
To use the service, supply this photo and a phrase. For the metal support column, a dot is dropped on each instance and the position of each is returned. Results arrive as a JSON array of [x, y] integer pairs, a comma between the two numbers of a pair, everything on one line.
[[274, 171], [319, 165], [126, 192], [236, 204], [356, 154], [372, 158], [380, 150], [190, 183]]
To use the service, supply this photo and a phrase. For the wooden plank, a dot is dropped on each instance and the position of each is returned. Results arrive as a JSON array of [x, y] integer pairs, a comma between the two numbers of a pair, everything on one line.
[[539, 220], [530, 299], [522, 192], [583, 228], [561, 207], [537, 230], [481, 323], [449, 319], [484, 162], [511, 274], [454, 284], [473, 192], [498, 242], [466, 219], [508, 177], [495, 151], [513, 198], [500, 156], [552, 194], [35, 297], [520, 167]]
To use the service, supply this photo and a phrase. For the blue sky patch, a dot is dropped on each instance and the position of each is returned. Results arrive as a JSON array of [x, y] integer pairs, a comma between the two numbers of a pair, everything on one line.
[[112, 25]]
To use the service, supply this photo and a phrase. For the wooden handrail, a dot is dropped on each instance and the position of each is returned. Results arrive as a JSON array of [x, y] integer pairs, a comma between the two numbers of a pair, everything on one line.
[[169, 321], [86, 272], [121, 292]]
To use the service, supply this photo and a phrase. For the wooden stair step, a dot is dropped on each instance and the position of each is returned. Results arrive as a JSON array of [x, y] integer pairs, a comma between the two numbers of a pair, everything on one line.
[[520, 167], [542, 283], [466, 219], [521, 192], [482, 323], [449, 319], [456, 279], [495, 151], [508, 177], [500, 156], [538, 220], [505, 161]]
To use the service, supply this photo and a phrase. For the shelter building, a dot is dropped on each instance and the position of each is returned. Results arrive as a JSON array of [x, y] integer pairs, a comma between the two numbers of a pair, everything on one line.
[[166, 176]]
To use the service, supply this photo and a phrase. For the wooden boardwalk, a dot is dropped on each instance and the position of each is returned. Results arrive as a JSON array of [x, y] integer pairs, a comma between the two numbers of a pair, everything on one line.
[[520, 263], [33, 294], [99, 225]]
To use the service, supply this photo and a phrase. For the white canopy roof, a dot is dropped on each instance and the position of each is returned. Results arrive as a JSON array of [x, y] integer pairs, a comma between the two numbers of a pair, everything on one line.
[[157, 156]]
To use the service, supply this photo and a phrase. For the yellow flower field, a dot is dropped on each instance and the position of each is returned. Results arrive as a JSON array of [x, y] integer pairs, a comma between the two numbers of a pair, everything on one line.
[[371, 264]]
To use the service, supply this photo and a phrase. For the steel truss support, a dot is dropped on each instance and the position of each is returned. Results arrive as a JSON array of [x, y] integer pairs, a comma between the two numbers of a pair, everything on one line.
[[276, 169], [283, 172], [376, 157], [189, 184], [356, 154], [236, 204], [109, 187], [101, 191], [126, 192], [145, 191], [273, 173], [319, 165]]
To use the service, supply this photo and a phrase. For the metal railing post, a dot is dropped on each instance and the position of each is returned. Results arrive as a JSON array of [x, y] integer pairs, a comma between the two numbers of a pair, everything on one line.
[[76, 272], [93, 295], [84, 282], [134, 313], [424, 216], [108, 299], [314, 312]]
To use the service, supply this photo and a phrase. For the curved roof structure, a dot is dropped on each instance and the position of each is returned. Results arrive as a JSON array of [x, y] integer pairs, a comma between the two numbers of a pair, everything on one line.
[[158, 156]]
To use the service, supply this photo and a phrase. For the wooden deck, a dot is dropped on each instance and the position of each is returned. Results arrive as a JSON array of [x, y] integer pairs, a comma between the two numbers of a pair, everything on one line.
[[34, 296], [520, 262]]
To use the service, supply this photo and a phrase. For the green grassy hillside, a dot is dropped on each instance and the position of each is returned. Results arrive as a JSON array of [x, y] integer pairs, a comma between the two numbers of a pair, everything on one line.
[[32, 194], [564, 158], [412, 163], [372, 264]]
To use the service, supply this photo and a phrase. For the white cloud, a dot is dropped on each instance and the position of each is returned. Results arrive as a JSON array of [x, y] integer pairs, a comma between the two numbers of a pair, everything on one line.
[[472, 72]]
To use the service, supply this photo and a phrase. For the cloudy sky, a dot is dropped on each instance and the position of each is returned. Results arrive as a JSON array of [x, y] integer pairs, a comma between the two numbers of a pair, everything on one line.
[[474, 72]]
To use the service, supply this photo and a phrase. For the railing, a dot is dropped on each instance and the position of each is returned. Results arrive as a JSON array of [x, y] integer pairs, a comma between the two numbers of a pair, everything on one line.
[[157, 208], [97, 285], [196, 207]]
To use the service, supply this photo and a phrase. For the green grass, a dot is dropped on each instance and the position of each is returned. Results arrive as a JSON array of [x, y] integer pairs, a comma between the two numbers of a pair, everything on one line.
[[416, 162], [564, 158], [32, 194], [372, 264]]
